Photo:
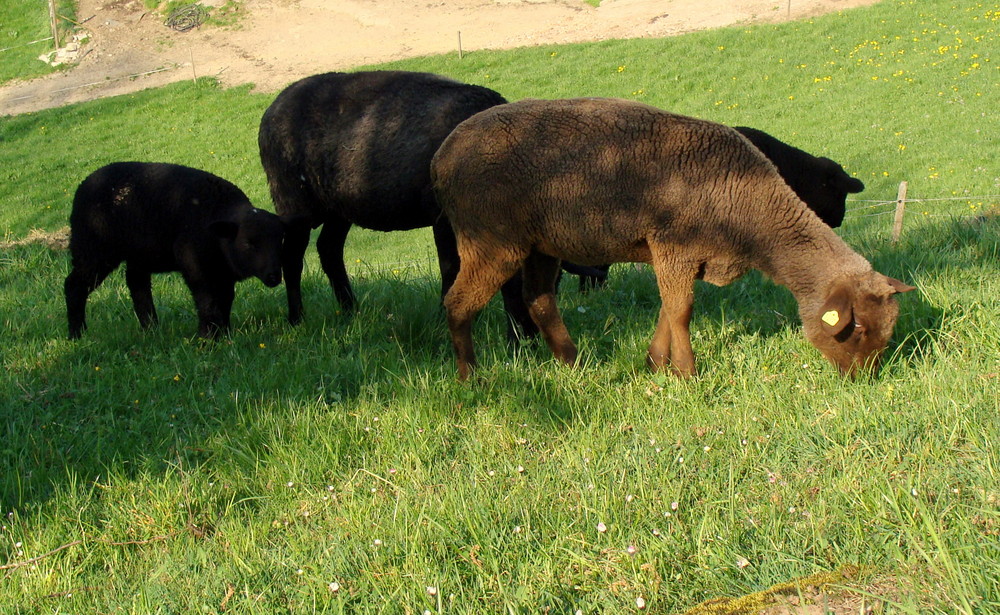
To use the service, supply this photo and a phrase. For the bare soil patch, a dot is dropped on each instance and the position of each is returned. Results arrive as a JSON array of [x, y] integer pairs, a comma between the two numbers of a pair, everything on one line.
[[276, 42]]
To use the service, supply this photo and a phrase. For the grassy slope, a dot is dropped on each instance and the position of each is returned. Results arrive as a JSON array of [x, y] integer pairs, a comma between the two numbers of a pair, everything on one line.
[[23, 26], [253, 473]]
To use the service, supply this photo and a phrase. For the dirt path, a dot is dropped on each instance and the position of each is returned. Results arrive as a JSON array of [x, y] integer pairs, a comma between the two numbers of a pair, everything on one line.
[[279, 41]]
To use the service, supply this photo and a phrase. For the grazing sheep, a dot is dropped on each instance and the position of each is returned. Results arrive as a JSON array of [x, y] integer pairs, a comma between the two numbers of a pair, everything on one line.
[[164, 217], [821, 183], [355, 148], [601, 180]]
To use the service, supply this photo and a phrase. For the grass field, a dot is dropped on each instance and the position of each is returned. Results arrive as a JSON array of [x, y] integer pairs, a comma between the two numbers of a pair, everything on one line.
[[340, 467], [25, 34]]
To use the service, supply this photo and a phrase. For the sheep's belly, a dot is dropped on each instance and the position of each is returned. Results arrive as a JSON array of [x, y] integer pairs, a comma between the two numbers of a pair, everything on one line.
[[722, 271], [600, 253]]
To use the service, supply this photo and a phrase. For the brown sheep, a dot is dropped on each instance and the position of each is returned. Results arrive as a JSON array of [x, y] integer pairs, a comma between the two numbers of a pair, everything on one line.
[[602, 180]]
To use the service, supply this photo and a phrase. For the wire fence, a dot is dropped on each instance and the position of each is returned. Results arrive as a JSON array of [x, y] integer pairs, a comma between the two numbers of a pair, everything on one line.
[[867, 208], [41, 40]]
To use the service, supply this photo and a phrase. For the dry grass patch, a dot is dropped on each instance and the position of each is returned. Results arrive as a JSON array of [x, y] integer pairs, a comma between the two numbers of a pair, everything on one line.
[[53, 240]]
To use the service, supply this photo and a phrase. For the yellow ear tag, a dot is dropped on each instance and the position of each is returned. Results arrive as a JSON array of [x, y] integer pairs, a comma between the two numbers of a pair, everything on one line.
[[831, 318]]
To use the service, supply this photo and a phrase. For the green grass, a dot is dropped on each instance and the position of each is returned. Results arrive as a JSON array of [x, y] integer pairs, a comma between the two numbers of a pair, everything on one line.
[[250, 474], [24, 24]]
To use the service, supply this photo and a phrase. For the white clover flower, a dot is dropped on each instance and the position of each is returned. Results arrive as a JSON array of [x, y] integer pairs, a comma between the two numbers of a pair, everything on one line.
[[601, 527]]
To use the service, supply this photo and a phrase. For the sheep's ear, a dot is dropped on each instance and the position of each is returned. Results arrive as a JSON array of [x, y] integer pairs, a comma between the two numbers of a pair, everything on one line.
[[897, 286], [226, 229], [838, 310]]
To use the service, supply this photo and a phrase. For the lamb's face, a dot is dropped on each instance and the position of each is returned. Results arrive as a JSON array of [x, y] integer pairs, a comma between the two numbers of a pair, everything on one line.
[[252, 245], [854, 325]]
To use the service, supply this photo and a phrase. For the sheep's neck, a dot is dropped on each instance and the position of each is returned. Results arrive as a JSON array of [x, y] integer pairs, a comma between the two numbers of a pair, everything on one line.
[[806, 258]]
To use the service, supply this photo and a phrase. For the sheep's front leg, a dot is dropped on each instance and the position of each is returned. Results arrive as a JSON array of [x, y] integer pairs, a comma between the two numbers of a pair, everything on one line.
[[214, 305], [540, 275], [671, 345]]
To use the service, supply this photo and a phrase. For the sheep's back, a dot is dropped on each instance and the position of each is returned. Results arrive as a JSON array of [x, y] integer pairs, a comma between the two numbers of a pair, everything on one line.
[[593, 179], [361, 143], [138, 210]]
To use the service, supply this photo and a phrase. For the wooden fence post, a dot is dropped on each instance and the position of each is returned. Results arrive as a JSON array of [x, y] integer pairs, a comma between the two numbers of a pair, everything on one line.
[[53, 22], [897, 223], [459, 44]]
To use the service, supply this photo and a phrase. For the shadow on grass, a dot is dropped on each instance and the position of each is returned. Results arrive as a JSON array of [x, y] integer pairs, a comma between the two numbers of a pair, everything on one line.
[[129, 403]]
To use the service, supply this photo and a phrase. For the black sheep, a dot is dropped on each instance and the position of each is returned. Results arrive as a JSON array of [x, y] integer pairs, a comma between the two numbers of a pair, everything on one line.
[[820, 182], [355, 148], [163, 217]]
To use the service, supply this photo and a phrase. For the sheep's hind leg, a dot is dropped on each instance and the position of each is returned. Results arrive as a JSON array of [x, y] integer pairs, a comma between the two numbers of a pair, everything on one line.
[[479, 278], [520, 326], [330, 245], [447, 251], [540, 274], [140, 286], [671, 345], [293, 252], [79, 284]]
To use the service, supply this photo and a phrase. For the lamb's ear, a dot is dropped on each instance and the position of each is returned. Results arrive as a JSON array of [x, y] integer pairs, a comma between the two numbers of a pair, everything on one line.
[[898, 286], [226, 229], [838, 310]]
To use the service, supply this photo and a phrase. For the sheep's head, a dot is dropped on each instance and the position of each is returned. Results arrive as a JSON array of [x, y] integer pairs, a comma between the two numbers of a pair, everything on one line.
[[855, 321]]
